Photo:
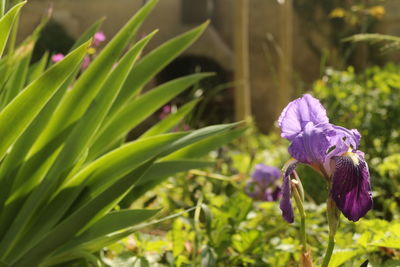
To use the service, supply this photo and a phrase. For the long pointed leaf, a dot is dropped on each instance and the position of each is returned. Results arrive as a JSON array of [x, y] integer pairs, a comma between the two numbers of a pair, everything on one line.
[[81, 136], [38, 68], [158, 173], [106, 169], [15, 174], [2, 7], [18, 77], [16, 117], [171, 120], [109, 167], [198, 135], [66, 230], [154, 62], [202, 147], [88, 34], [83, 132], [88, 85], [134, 113], [177, 162], [83, 93], [76, 141], [111, 223], [107, 240], [6, 23]]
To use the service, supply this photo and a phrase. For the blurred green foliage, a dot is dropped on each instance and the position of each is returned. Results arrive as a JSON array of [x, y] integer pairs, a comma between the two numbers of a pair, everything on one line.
[[324, 25], [369, 101]]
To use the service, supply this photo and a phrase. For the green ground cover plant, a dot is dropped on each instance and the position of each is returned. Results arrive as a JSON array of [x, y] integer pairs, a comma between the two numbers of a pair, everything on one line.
[[369, 100]]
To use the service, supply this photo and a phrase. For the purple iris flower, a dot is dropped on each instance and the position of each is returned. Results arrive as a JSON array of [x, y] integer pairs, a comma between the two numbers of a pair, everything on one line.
[[329, 149], [262, 185]]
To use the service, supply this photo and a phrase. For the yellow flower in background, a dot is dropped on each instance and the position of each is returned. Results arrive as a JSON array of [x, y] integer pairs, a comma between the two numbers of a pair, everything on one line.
[[91, 51], [376, 11], [337, 13]]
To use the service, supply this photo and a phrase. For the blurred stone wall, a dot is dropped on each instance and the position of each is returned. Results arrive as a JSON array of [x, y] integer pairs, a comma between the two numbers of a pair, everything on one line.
[[216, 43]]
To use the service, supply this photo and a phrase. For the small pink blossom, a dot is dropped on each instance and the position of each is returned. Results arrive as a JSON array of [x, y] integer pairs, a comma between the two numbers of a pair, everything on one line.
[[85, 62], [165, 111], [98, 38], [57, 57]]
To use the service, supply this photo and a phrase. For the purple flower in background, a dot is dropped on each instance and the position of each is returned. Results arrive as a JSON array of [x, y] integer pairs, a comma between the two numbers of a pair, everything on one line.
[[262, 185], [57, 57], [329, 149], [98, 38]]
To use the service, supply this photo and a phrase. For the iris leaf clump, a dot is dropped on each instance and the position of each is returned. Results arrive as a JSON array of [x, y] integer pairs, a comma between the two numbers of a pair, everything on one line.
[[65, 163]]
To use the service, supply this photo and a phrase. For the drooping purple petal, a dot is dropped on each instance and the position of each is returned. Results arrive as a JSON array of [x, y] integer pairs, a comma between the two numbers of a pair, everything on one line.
[[286, 203], [351, 189], [298, 113], [265, 175]]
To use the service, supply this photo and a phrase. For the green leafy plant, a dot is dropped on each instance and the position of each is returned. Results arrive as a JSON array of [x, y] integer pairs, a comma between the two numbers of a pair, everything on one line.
[[64, 165], [370, 101], [390, 42], [228, 228], [325, 24]]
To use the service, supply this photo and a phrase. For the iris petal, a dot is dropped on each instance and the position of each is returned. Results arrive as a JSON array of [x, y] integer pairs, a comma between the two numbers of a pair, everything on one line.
[[311, 146], [261, 193], [300, 112], [286, 203], [351, 189], [265, 175], [351, 137], [253, 190]]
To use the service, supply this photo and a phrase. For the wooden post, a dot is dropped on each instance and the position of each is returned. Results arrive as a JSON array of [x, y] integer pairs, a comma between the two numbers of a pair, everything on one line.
[[286, 44], [241, 49]]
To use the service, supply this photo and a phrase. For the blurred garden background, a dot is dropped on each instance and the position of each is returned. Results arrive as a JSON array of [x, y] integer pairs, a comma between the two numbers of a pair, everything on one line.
[[263, 54]]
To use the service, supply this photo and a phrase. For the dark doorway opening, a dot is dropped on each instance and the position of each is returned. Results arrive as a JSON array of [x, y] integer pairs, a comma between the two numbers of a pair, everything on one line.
[[216, 91]]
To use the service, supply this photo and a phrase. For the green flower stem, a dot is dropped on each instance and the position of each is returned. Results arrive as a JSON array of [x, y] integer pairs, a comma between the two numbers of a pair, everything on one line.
[[303, 235], [197, 229], [333, 215], [299, 203], [329, 251]]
